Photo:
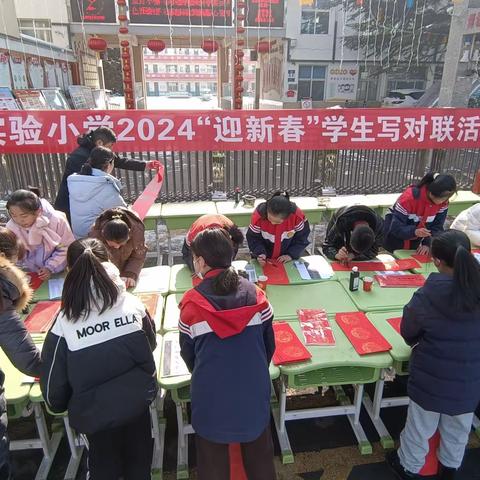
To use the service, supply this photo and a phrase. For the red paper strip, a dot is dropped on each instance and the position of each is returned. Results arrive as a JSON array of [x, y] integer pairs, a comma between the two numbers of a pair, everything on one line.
[[42, 316], [289, 348], [149, 195], [476, 250], [395, 266], [422, 258], [276, 273], [34, 280], [237, 470], [431, 460], [316, 327], [361, 333], [395, 323], [407, 281], [150, 300]]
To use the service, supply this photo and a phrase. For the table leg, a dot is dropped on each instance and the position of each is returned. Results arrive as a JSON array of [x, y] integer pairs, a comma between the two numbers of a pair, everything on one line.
[[314, 235], [170, 254], [157, 242], [278, 411], [76, 449], [476, 425], [49, 445], [158, 433], [182, 450]]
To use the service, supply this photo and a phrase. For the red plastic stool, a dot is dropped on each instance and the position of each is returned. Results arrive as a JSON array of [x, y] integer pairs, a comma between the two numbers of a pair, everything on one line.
[[237, 472], [431, 460]]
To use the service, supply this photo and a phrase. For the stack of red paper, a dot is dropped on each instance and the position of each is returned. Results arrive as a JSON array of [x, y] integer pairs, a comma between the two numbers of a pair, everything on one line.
[[363, 335], [422, 258], [289, 348], [316, 327], [150, 300], [35, 280], [409, 280], [42, 316], [276, 273]]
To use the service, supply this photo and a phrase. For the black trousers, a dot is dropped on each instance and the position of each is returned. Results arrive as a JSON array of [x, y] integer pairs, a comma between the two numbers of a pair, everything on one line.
[[213, 462], [122, 452]]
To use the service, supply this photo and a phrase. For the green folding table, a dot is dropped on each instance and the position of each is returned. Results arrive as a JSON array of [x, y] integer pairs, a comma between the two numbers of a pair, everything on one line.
[[425, 268], [381, 202], [171, 314], [17, 394], [153, 280], [461, 201], [180, 216], [287, 299], [173, 376], [329, 367], [379, 299]]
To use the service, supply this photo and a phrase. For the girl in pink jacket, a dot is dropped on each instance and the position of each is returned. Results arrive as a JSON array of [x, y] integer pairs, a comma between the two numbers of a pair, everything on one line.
[[44, 231]]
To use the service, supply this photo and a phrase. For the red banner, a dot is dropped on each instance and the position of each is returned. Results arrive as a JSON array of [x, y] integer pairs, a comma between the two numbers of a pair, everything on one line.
[[153, 131]]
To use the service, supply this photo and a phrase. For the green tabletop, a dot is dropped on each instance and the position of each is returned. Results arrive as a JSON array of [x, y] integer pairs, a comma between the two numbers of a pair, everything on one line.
[[16, 390], [181, 276], [425, 268], [239, 214], [337, 365], [379, 299], [381, 202], [400, 351], [287, 299], [179, 216], [152, 217], [153, 280], [172, 313], [42, 293], [310, 207], [332, 204], [175, 382], [461, 201]]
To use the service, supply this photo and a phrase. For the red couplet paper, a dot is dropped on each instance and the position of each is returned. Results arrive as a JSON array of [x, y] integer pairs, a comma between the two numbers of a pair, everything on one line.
[[395, 323], [237, 471], [150, 300], [276, 273], [422, 258], [149, 195], [431, 460], [316, 327], [399, 281], [361, 333], [396, 266], [289, 348], [35, 281], [42, 316]]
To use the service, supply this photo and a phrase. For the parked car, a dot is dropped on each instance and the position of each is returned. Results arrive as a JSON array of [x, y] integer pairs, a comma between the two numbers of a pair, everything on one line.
[[402, 98], [179, 95]]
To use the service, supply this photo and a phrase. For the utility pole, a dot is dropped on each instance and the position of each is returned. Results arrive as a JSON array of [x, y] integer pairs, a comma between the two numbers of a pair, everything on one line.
[[453, 54]]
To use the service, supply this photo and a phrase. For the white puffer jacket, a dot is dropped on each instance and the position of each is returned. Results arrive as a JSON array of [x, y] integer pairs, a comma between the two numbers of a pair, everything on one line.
[[469, 222]]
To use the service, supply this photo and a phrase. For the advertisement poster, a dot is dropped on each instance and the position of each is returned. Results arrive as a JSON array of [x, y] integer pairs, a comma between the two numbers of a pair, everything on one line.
[[181, 12], [342, 82], [19, 73], [265, 13], [93, 11], [36, 73], [50, 74], [31, 99], [5, 80], [7, 100]]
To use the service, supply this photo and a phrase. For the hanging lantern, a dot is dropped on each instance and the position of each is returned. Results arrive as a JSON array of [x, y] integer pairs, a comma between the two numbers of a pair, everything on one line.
[[240, 42], [239, 78], [209, 46], [240, 17], [97, 44], [125, 43], [241, 4], [156, 45], [123, 30], [240, 30], [240, 53], [123, 18], [262, 47], [239, 68], [121, 3]]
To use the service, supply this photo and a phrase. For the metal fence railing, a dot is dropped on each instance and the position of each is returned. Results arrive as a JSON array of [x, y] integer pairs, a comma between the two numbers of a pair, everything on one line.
[[191, 176]]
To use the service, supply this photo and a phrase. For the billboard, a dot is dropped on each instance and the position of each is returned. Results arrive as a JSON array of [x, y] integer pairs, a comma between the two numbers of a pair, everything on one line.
[[181, 12], [265, 13], [93, 11]]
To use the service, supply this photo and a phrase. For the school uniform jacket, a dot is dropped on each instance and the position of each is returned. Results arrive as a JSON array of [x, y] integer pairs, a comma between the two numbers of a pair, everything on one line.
[[203, 223], [341, 225], [101, 369], [227, 343], [288, 238], [411, 211]]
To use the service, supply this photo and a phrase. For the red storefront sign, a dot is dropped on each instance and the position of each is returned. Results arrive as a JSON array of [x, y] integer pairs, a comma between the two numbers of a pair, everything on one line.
[[142, 130]]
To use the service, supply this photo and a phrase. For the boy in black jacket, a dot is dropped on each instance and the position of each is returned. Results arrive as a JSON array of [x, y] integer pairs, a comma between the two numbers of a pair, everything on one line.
[[353, 233]]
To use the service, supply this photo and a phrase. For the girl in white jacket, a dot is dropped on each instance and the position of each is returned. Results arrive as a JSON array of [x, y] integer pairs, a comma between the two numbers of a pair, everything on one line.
[[469, 222]]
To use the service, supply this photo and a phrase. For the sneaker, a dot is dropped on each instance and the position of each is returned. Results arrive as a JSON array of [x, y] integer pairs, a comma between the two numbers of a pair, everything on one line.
[[394, 463]]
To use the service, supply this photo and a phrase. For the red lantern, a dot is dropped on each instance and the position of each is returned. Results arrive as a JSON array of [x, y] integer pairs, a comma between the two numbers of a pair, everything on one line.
[[123, 18], [240, 30], [121, 3], [240, 42], [290, 94], [209, 46], [123, 30], [156, 45], [125, 56], [97, 44], [240, 17], [241, 4], [124, 43], [240, 53], [239, 68], [262, 47], [238, 78], [239, 90]]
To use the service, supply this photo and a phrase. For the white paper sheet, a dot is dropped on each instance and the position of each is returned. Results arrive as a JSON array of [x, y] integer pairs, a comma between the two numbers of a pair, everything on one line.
[[55, 287], [302, 270], [251, 272], [173, 364], [151, 280], [318, 265]]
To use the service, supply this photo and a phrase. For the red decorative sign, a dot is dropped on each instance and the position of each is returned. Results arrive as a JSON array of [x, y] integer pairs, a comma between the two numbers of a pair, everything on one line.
[[146, 130], [181, 12]]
